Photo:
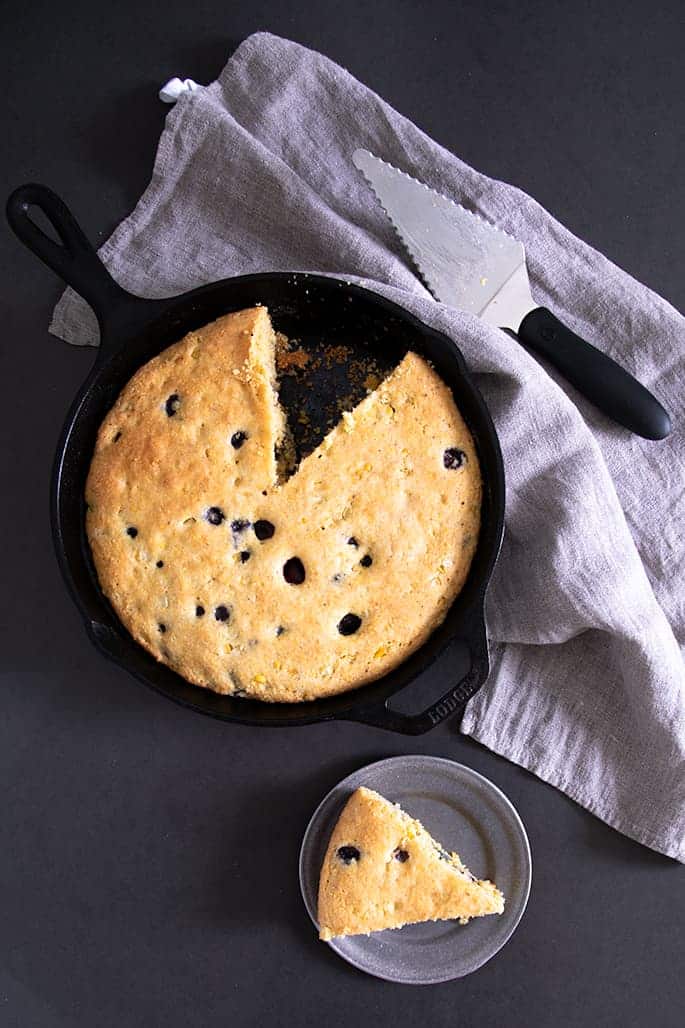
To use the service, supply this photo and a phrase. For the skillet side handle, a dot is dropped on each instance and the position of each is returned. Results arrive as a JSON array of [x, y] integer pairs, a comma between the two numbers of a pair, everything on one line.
[[381, 715]]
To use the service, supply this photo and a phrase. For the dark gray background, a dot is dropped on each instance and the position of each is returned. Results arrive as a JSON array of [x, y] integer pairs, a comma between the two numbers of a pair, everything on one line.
[[148, 862]]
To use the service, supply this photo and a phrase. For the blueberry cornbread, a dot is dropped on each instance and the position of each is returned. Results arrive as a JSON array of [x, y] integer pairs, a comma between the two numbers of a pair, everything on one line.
[[383, 870], [279, 590]]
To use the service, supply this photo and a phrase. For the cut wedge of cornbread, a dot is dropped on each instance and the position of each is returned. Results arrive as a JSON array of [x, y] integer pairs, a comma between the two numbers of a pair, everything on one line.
[[382, 869]]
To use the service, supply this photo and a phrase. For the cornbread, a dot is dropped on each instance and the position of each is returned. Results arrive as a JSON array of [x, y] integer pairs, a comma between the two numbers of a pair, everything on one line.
[[383, 870], [279, 590]]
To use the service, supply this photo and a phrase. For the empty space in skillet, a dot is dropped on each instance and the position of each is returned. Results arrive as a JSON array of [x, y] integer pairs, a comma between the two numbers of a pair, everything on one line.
[[319, 379]]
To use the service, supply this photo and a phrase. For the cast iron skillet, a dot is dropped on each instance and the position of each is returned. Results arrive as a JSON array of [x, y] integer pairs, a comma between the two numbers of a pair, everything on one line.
[[315, 309]]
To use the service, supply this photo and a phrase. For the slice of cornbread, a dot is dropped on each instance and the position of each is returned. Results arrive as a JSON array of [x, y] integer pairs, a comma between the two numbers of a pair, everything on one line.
[[383, 870]]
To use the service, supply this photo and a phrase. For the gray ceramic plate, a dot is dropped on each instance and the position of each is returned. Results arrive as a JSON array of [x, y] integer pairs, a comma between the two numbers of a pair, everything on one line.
[[467, 814]]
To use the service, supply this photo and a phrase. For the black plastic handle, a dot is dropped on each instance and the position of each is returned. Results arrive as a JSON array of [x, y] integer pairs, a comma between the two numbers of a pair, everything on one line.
[[599, 378], [381, 715]]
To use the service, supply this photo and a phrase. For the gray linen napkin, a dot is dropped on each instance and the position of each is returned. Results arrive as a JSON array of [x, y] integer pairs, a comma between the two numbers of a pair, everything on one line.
[[587, 605]]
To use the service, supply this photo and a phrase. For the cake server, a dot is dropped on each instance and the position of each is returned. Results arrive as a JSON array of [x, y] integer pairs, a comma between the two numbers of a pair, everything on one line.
[[468, 263]]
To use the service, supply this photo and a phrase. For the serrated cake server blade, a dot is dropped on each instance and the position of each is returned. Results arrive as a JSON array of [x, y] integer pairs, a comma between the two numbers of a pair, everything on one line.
[[468, 263]]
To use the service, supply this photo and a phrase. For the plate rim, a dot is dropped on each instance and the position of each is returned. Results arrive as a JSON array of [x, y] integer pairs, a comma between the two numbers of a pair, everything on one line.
[[527, 882]]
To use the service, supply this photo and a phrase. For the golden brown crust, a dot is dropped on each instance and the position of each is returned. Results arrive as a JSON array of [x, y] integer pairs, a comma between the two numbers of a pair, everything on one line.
[[401, 875], [379, 478]]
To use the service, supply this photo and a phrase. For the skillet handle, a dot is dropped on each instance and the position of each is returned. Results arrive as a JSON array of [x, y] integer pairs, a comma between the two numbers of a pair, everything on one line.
[[119, 313], [381, 715], [74, 259]]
